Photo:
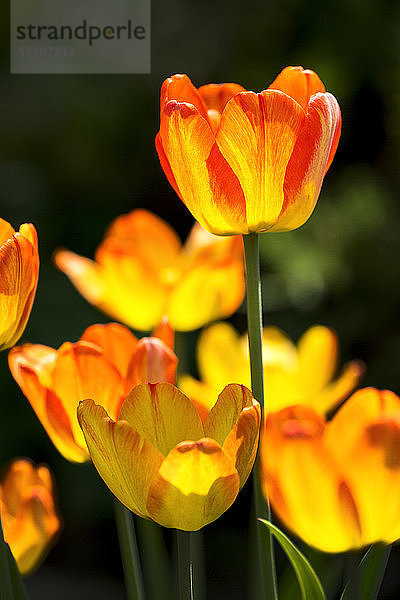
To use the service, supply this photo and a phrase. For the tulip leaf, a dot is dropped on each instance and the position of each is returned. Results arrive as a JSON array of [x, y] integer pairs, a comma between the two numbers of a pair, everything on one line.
[[369, 574], [310, 585]]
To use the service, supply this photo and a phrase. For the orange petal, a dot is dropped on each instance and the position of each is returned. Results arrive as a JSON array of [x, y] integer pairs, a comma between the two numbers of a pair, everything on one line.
[[234, 423], [82, 371], [126, 461], [215, 97], [180, 88], [195, 485], [205, 180], [6, 231], [153, 362], [19, 270], [32, 366], [162, 415], [309, 161], [165, 333], [29, 517], [298, 83], [116, 341], [257, 135]]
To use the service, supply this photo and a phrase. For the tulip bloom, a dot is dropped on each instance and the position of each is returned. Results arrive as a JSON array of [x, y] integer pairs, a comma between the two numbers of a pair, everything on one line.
[[163, 463], [29, 517], [142, 272], [104, 365], [245, 162], [293, 375], [19, 271], [336, 484]]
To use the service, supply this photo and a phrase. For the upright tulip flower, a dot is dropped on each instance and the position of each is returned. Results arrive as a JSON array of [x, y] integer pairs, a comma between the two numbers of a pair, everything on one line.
[[165, 464], [244, 162], [142, 272], [19, 271], [301, 374], [104, 365], [28, 514], [336, 484]]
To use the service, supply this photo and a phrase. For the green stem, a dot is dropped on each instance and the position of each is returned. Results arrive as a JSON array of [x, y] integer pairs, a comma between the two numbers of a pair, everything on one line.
[[254, 323], [129, 551], [155, 560], [6, 589], [185, 565]]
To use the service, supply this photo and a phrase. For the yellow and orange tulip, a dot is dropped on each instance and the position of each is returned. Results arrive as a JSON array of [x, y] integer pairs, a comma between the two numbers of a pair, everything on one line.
[[142, 272], [104, 365], [293, 375], [19, 272], [336, 484], [28, 514], [164, 463], [245, 162]]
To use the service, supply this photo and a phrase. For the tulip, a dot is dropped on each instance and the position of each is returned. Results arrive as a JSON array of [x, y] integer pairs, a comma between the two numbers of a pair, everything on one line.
[[29, 517], [245, 162], [142, 272], [292, 375], [104, 365], [19, 271], [162, 462], [336, 484]]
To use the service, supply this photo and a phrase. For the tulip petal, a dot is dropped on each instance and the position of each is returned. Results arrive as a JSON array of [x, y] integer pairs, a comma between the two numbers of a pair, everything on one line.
[[82, 371], [257, 135], [317, 355], [6, 231], [126, 461], [338, 390], [161, 414], [19, 268], [201, 394], [180, 88], [32, 366], [215, 96], [165, 332], [196, 483], [205, 180], [221, 358], [116, 341], [152, 362], [309, 161], [298, 83], [234, 422]]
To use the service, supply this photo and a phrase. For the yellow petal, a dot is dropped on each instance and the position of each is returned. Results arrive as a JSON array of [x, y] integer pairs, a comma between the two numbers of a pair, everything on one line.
[[196, 484], [221, 357], [256, 136], [126, 461], [339, 389], [234, 423], [162, 415], [318, 354], [201, 394]]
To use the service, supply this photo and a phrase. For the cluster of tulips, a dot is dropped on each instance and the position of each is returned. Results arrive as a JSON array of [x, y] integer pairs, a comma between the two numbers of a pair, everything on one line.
[[176, 450]]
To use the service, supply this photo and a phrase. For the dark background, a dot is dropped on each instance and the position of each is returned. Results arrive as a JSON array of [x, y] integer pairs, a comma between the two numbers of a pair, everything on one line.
[[76, 151]]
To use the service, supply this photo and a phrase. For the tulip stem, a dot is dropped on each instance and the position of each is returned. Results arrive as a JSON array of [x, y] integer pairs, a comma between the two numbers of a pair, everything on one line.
[[185, 565], [129, 551], [254, 324]]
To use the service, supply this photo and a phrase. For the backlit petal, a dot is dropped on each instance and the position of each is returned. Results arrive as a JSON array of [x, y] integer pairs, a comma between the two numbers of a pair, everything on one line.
[[196, 483], [165, 332], [317, 355], [215, 97], [201, 394], [152, 362], [162, 415], [125, 460], [309, 161], [234, 423], [257, 135], [116, 341], [333, 394], [205, 180], [298, 83]]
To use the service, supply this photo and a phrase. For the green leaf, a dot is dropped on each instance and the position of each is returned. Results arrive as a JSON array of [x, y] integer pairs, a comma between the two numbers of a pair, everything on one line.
[[310, 586], [369, 573]]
